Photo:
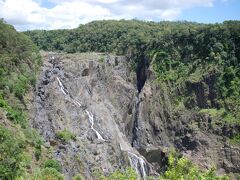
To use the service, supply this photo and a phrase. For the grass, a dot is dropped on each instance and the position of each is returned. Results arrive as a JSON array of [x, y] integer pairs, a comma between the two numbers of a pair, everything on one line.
[[213, 112], [66, 135], [235, 139], [230, 119], [101, 59], [221, 113]]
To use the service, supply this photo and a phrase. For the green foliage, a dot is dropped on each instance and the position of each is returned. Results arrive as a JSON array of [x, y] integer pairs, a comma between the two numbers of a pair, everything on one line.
[[51, 163], [213, 112], [50, 174], [35, 140], [11, 153], [19, 64], [183, 55], [101, 59], [180, 52], [235, 139], [15, 115], [128, 174], [193, 54], [182, 168], [66, 135], [78, 177]]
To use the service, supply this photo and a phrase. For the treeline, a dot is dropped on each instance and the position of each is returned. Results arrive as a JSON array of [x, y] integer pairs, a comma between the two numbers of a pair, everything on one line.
[[206, 57], [181, 52], [19, 65], [104, 36]]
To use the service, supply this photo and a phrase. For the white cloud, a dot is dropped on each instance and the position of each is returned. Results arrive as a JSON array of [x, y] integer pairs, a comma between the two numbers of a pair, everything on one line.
[[32, 14]]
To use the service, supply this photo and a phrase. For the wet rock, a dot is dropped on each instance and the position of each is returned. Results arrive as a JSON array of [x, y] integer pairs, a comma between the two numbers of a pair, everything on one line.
[[131, 112]]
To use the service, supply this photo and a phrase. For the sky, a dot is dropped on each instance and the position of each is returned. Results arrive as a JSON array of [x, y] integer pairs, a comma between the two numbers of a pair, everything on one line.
[[66, 14]]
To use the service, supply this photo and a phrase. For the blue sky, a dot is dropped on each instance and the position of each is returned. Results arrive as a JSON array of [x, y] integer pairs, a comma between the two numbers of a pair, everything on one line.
[[58, 14], [221, 11]]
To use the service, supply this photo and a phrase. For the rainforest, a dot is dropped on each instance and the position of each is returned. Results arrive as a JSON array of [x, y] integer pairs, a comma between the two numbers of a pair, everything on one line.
[[121, 99]]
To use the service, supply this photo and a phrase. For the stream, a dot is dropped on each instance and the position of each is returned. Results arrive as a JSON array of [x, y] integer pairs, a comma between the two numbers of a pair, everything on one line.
[[90, 115]]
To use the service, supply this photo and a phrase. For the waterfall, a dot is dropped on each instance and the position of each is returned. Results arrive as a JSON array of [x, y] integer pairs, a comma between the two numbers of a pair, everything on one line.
[[91, 120], [90, 115], [135, 129], [77, 102], [62, 87], [138, 164]]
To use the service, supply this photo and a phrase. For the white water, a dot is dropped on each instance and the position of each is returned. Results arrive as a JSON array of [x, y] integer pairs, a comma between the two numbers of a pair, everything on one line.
[[77, 102], [90, 115], [91, 120], [61, 86], [138, 164]]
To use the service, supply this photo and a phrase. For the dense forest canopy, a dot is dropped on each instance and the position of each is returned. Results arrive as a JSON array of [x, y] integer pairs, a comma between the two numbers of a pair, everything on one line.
[[19, 65], [184, 56], [182, 53]]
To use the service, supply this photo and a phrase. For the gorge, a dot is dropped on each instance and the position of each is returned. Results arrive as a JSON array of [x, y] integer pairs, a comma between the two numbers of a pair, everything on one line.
[[121, 100]]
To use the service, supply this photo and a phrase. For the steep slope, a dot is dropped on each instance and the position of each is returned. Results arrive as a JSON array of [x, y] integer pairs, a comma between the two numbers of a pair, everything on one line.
[[197, 135], [176, 85], [91, 99], [19, 64], [114, 124]]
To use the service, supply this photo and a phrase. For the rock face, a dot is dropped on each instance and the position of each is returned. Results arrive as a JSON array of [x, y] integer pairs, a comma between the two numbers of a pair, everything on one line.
[[119, 117]]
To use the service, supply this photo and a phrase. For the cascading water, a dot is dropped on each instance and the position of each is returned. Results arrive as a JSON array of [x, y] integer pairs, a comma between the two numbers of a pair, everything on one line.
[[141, 79], [91, 120], [138, 164], [62, 87], [90, 115], [77, 102], [135, 129]]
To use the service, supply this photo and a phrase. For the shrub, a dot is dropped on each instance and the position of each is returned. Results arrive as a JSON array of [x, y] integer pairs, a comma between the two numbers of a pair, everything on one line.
[[66, 135], [17, 116], [78, 177], [182, 168], [129, 174], [101, 59], [51, 174], [235, 139], [34, 139], [51, 163], [11, 153]]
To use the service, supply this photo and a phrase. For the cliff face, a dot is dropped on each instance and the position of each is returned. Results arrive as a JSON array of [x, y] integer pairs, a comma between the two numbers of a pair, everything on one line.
[[121, 118], [198, 136]]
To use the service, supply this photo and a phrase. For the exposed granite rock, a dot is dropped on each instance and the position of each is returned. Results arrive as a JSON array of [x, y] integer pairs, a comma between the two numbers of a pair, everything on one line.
[[131, 112]]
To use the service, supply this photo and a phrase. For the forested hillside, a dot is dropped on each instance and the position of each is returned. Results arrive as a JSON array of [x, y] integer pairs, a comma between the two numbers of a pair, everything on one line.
[[162, 98], [19, 65], [196, 65], [182, 53]]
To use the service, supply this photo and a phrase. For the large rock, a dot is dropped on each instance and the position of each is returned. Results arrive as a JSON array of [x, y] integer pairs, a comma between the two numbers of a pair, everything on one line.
[[129, 115]]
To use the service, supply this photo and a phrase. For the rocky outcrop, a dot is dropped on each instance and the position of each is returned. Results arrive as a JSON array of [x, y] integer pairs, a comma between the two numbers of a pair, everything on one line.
[[92, 100], [196, 136], [119, 118]]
